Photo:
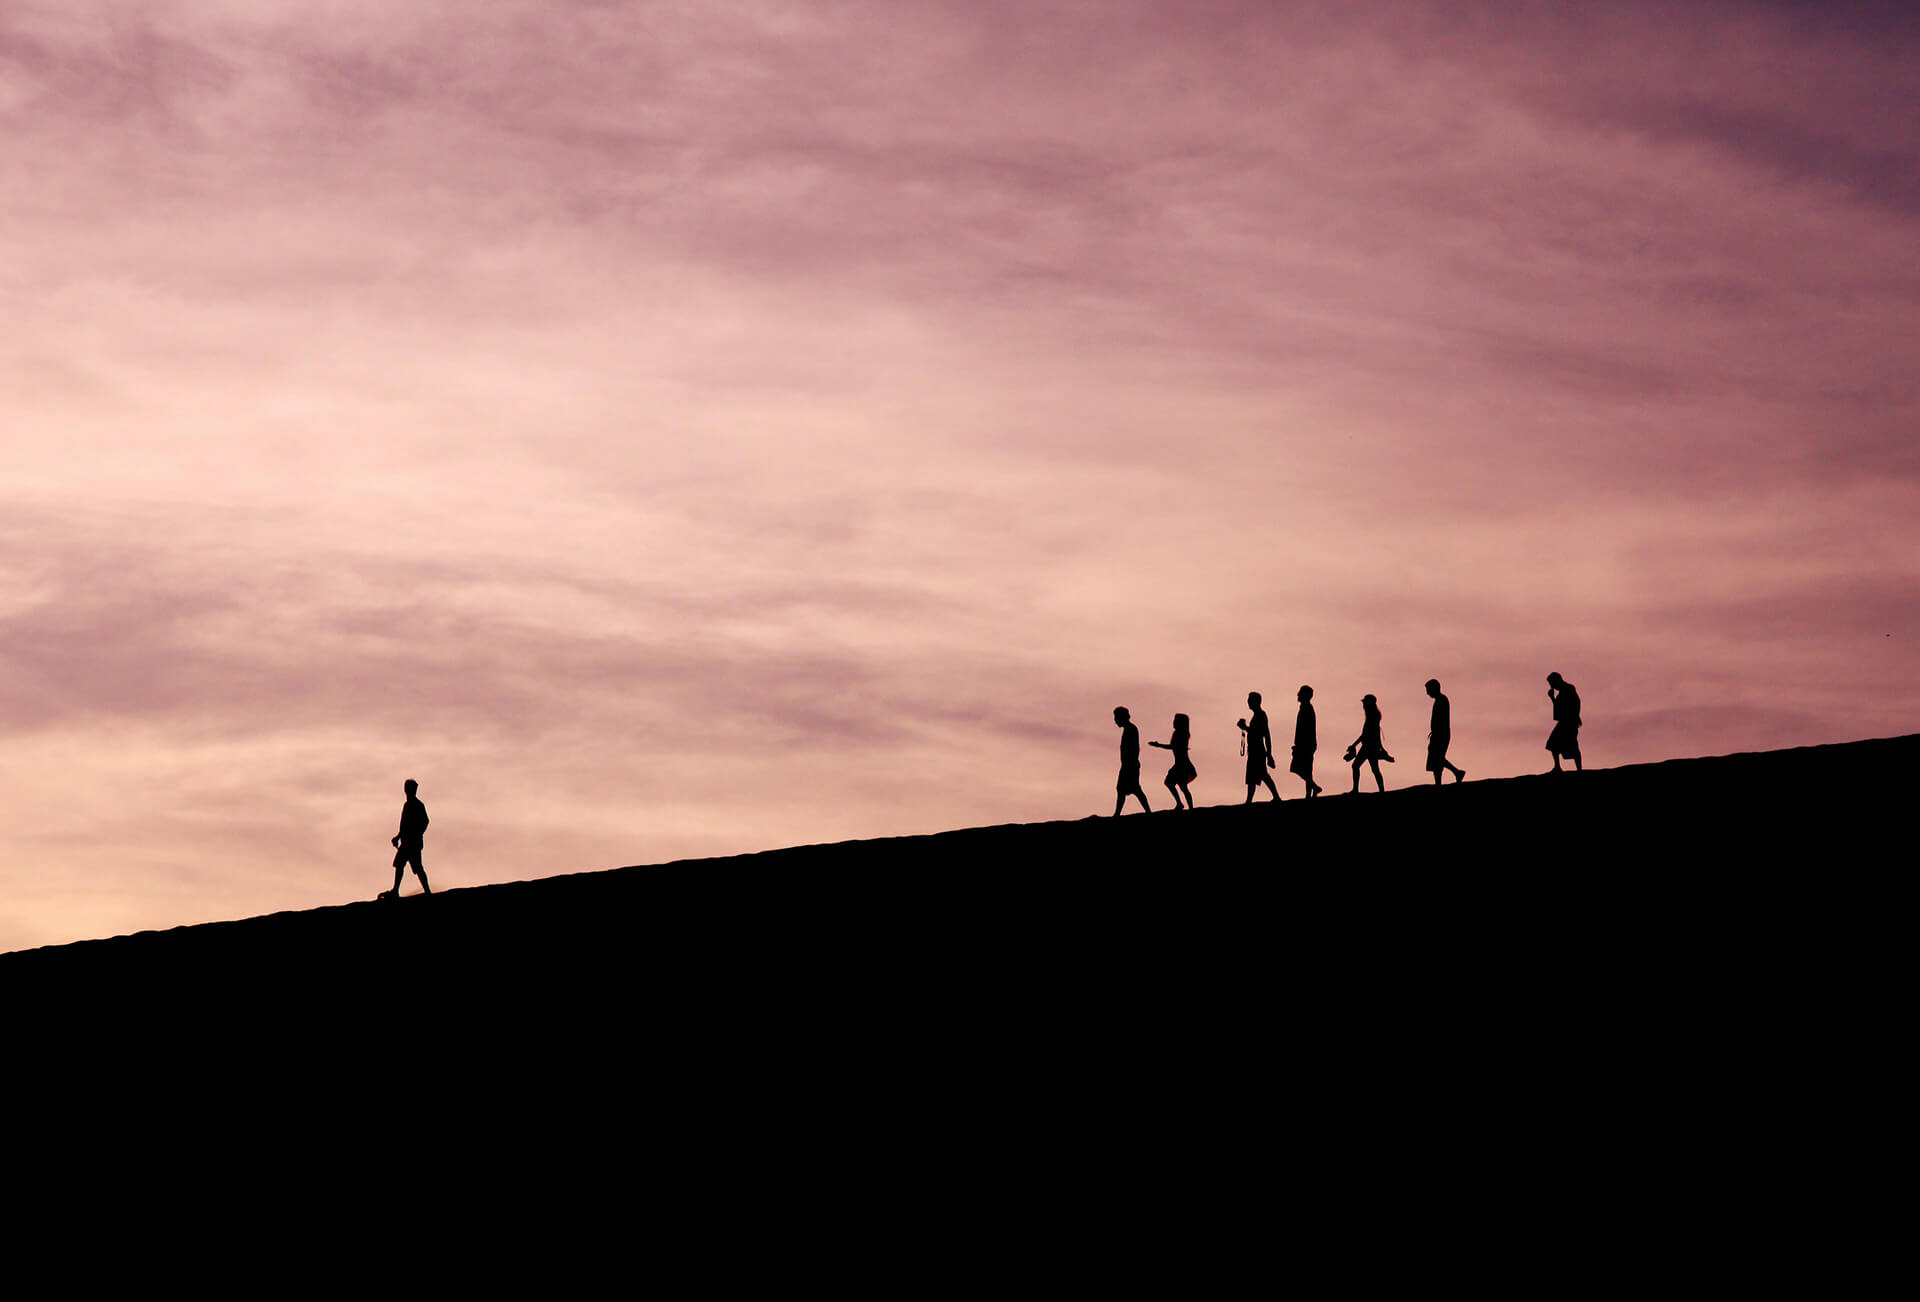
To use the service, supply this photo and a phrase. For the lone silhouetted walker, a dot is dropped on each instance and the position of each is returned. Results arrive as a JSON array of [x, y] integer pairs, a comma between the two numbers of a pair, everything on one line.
[[1306, 740], [1439, 734], [1129, 784], [413, 832], [1257, 741], [1367, 748], [1564, 740], [1182, 771]]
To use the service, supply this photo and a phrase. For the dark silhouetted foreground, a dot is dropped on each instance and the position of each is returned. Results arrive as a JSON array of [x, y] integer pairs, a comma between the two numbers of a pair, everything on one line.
[[1478, 1016], [1661, 846]]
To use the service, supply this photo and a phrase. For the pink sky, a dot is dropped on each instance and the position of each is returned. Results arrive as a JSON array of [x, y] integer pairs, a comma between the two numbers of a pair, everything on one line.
[[680, 429]]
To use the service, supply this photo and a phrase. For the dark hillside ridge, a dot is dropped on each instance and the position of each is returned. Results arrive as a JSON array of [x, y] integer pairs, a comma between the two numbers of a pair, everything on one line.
[[1346, 888], [1591, 991]]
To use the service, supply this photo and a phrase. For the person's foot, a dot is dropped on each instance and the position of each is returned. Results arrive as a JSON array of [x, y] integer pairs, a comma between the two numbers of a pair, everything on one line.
[[1459, 775]]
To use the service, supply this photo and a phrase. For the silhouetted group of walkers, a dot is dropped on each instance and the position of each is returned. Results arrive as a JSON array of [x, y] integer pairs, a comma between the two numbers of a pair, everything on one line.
[[1365, 751], [1256, 743]]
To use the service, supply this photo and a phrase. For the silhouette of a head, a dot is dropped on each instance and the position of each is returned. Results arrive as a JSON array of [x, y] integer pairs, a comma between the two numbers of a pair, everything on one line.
[[1253, 699], [1120, 714], [1180, 723], [1368, 699], [1433, 687], [1555, 679], [1305, 693], [412, 786]]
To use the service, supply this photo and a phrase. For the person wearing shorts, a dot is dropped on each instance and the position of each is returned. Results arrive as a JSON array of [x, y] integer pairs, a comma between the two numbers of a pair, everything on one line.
[[407, 844]]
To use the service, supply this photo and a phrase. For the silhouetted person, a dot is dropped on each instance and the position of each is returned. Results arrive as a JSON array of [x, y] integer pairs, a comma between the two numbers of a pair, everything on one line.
[[1182, 771], [1129, 784], [1367, 748], [1259, 743], [1439, 734], [1565, 737], [1306, 740], [413, 832]]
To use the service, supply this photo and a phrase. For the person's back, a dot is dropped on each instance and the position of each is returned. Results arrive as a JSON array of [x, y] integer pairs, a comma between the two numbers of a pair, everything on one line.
[[1566, 704], [1442, 724], [1129, 743]]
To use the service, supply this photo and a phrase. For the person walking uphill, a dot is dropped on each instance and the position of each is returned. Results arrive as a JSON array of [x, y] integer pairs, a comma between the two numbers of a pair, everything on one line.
[[1368, 748], [1182, 771], [1259, 745], [1565, 737], [1129, 784], [413, 833], [1306, 740], [1440, 736]]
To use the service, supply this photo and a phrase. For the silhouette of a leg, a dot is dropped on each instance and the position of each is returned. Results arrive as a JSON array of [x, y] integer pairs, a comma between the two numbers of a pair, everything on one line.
[[1378, 781], [421, 873], [1459, 774]]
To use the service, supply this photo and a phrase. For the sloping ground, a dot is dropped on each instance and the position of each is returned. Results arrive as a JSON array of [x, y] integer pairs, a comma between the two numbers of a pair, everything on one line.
[[1531, 1032], [1584, 876]]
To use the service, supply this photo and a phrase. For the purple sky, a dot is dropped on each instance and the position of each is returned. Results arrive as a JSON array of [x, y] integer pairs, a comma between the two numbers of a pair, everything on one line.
[[678, 429]]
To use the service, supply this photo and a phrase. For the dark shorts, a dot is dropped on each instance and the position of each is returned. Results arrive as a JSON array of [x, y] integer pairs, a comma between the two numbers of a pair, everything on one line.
[[1437, 753], [1302, 766], [1129, 779], [408, 854], [1565, 739]]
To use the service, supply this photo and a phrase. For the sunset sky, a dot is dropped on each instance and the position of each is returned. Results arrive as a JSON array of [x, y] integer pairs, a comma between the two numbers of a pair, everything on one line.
[[675, 429]]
